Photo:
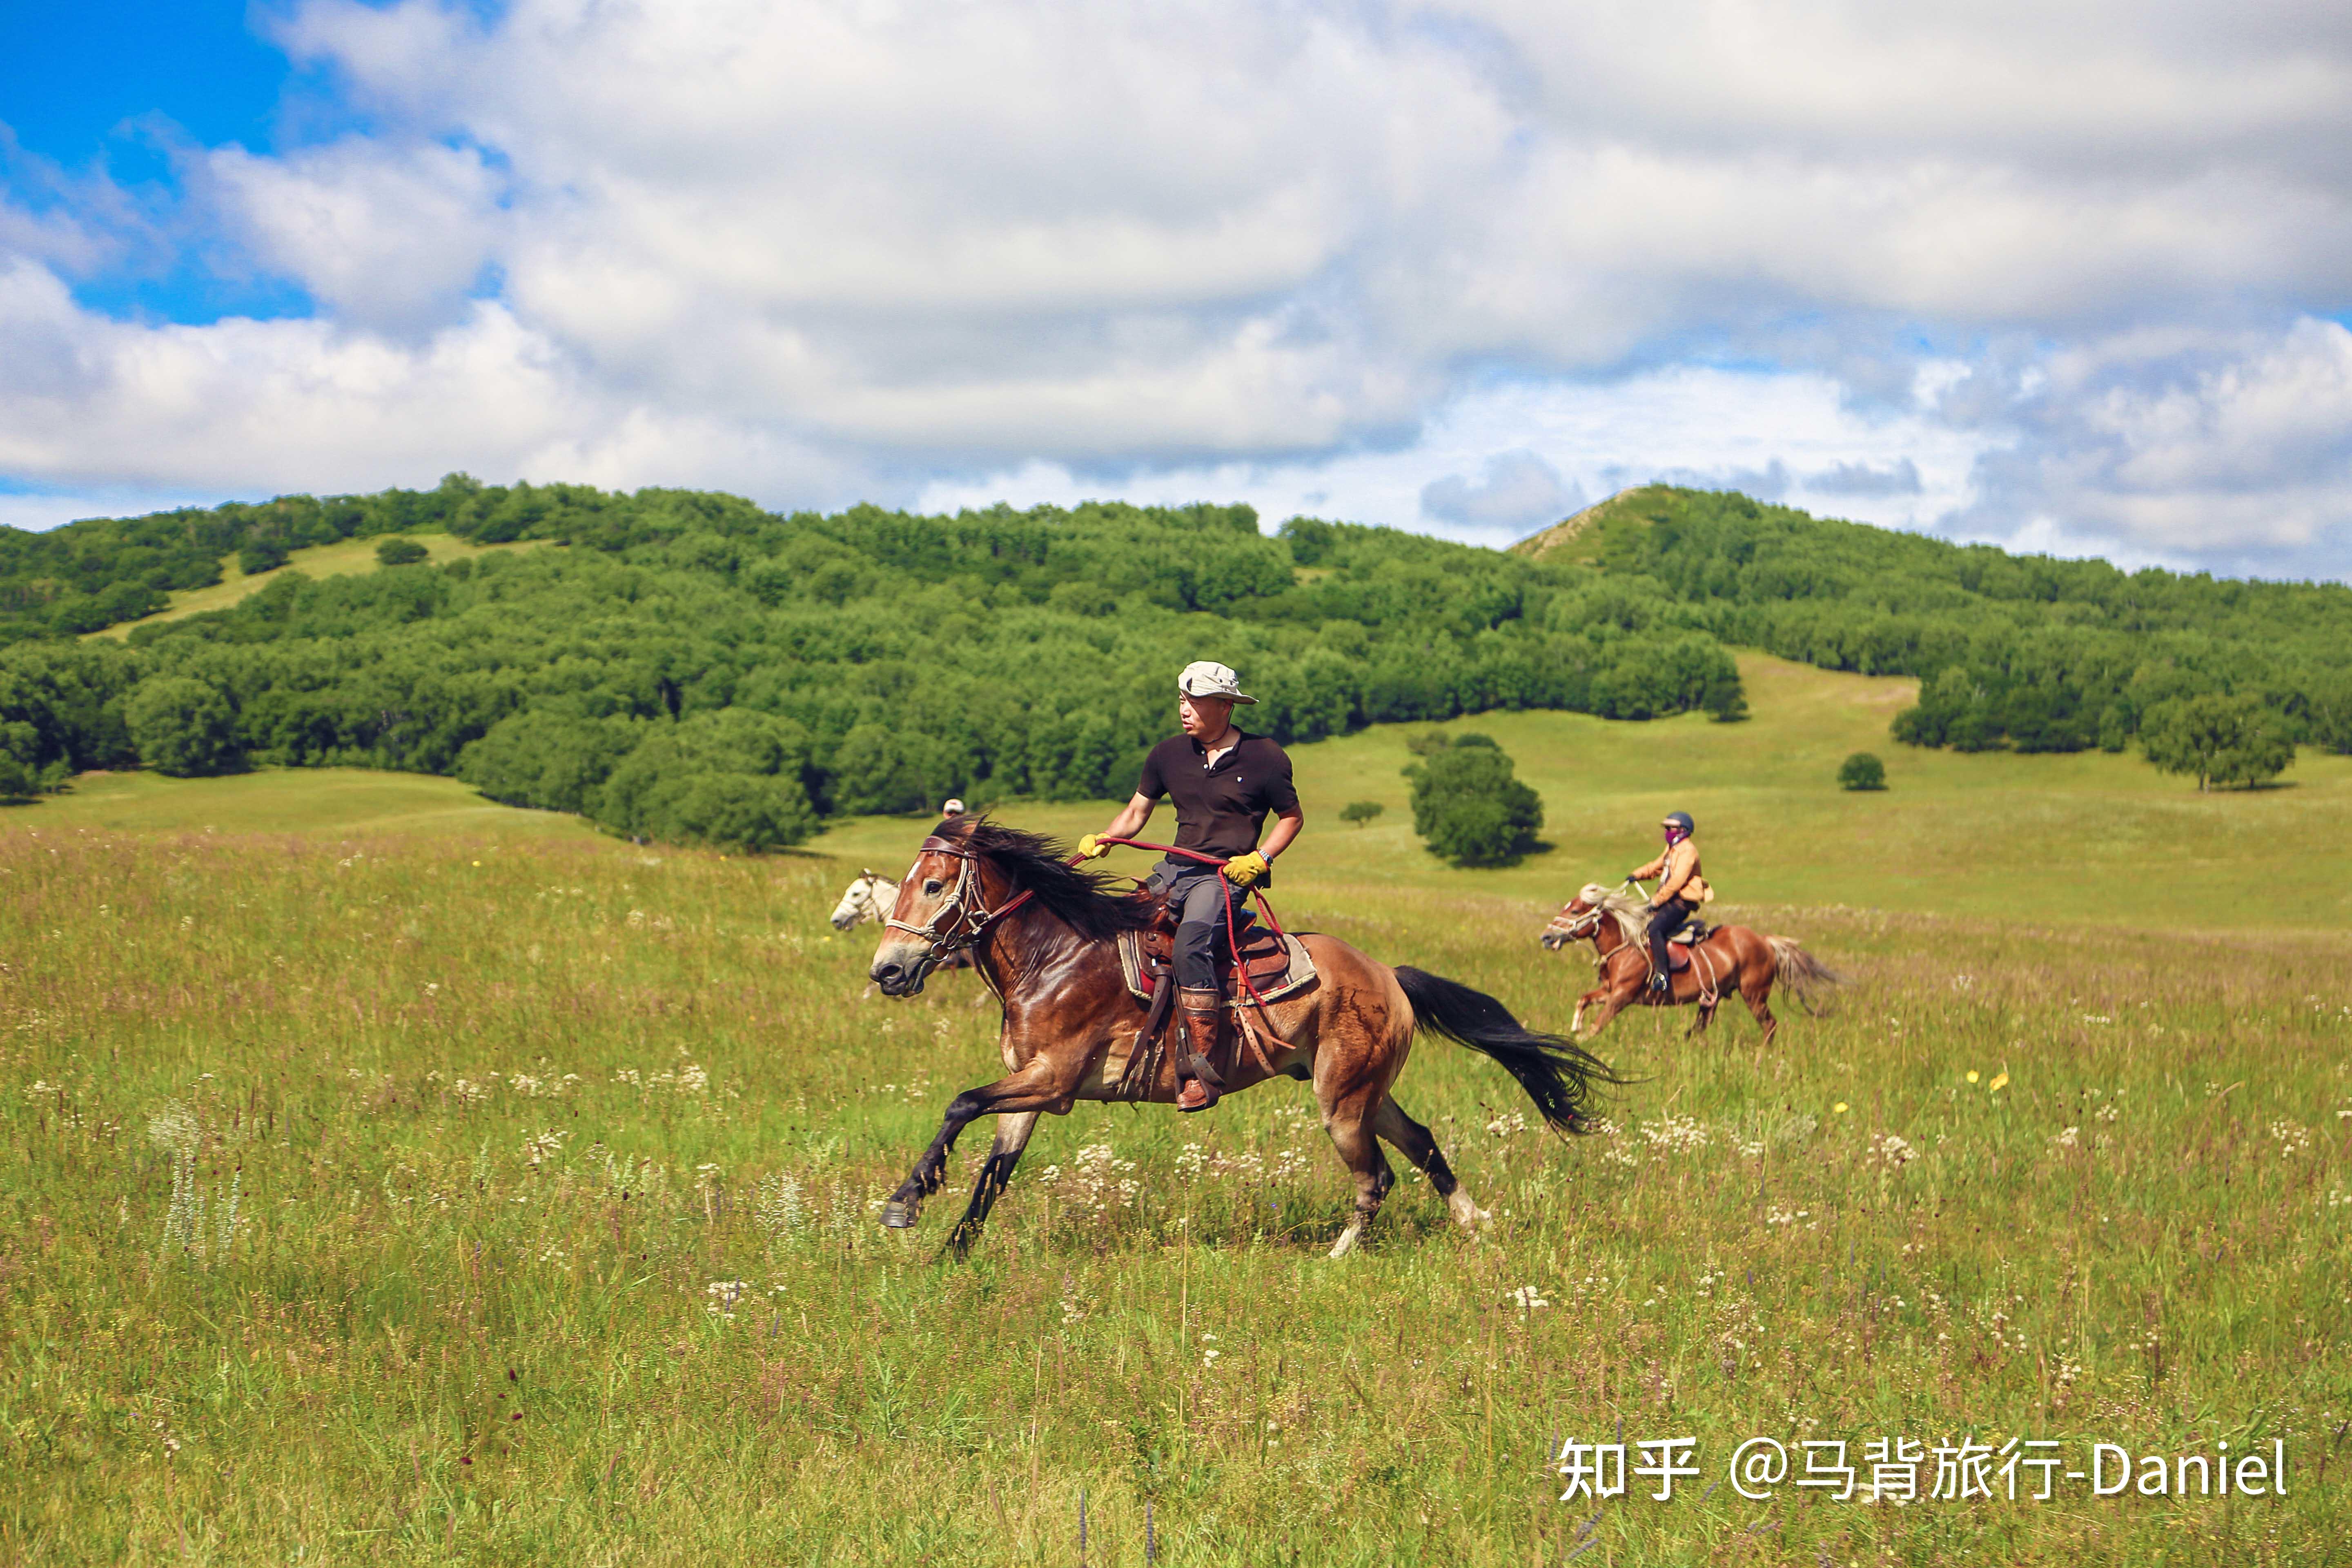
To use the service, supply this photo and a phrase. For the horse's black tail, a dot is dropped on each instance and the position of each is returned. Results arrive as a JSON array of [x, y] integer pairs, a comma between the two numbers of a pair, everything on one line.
[[1558, 1073]]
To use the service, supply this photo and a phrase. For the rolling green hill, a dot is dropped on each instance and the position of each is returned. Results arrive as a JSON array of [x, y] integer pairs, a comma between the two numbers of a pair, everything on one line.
[[692, 668], [2025, 653]]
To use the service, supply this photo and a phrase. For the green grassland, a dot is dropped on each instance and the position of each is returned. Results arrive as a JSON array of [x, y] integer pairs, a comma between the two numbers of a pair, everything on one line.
[[342, 559], [2080, 838], [554, 1163], [339, 801]]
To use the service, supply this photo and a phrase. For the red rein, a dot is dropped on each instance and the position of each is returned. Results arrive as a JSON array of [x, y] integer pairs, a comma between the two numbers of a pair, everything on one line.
[[1232, 936]]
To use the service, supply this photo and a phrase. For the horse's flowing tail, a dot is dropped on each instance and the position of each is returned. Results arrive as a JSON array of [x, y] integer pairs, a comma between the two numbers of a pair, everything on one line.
[[1558, 1073], [1799, 971]]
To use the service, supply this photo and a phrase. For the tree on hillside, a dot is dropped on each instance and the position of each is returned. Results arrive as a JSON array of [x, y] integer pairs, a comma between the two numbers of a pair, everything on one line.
[[260, 555], [1724, 701], [2331, 712], [182, 727], [2217, 740], [733, 778], [548, 758], [884, 770], [397, 551], [1469, 806], [21, 775], [1360, 812], [1862, 771]]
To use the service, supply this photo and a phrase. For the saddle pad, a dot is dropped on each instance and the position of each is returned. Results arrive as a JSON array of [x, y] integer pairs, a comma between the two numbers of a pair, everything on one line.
[[1276, 971]]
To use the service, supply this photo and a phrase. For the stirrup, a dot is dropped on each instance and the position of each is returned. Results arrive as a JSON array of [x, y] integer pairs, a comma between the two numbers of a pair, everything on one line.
[[1199, 1069], [1660, 983]]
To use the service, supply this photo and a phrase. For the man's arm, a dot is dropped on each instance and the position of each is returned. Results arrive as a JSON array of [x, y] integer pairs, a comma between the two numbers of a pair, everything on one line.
[[1650, 870], [1125, 824], [1285, 829]]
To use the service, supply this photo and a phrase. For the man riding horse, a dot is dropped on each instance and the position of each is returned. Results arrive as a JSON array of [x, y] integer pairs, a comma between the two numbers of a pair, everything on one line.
[[1681, 891], [1223, 781]]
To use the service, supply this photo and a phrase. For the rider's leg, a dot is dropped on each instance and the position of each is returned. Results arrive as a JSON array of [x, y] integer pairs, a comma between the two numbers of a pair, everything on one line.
[[1667, 919], [1201, 942]]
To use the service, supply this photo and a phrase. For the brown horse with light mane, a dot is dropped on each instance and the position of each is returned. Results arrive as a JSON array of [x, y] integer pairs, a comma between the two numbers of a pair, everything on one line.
[[1732, 960], [1044, 936]]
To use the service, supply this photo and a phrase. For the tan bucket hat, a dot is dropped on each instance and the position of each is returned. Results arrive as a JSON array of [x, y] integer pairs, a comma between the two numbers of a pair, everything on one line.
[[1206, 678]]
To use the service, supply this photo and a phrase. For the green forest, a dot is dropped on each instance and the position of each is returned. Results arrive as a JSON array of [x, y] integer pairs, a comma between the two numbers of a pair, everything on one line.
[[2028, 653], [686, 666]]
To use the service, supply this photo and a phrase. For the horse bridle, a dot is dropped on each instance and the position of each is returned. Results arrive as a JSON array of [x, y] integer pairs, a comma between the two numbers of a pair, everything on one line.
[[972, 919], [1582, 928]]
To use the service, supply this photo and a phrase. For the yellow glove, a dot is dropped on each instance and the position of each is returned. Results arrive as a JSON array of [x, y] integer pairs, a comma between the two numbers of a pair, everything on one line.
[[1092, 847], [1244, 869]]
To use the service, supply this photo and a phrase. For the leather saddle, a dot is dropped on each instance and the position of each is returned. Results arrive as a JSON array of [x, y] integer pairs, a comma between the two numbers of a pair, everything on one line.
[[1277, 963], [1678, 946]]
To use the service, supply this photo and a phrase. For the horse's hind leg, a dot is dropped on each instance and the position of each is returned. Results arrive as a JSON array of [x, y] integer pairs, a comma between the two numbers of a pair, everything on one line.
[[1756, 997], [1012, 1136], [1416, 1143]]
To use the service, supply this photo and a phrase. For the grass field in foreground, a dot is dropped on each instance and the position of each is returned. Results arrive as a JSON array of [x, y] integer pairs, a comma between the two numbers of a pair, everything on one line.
[[412, 1199], [343, 559]]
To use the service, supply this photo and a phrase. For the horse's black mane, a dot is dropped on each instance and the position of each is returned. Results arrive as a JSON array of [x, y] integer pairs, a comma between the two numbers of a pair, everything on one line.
[[1034, 864]]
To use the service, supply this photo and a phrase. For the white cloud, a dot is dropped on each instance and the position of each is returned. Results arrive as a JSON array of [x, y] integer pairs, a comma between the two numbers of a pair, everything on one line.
[[2180, 446], [390, 237], [1711, 427], [1356, 258], [1518, 489]]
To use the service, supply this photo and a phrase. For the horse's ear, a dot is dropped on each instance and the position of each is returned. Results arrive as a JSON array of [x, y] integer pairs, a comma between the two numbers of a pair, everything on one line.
[[868, 872]]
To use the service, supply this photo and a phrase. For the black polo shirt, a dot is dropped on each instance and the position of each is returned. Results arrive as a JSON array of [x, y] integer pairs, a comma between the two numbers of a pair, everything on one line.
[[1219, 812]]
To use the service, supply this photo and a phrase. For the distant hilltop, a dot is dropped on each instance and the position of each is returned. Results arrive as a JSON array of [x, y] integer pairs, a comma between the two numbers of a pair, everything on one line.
[[1577, 537]]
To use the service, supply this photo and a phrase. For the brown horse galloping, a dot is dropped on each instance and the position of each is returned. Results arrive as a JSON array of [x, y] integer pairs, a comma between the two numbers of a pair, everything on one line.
[[1731, 959], [1043, 935]]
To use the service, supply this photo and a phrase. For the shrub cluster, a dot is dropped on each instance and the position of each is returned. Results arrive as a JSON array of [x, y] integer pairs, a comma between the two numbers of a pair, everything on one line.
[[1468, 804]]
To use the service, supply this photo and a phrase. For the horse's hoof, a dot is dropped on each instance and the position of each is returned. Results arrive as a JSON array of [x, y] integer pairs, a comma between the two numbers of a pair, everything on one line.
[[898, 1215]]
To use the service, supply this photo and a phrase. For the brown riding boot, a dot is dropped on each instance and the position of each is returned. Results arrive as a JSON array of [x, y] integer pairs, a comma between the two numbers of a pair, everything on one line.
[[1198, 1084]]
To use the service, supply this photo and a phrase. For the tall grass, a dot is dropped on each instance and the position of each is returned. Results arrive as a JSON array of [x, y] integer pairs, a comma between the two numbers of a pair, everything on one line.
[[393, 1201]]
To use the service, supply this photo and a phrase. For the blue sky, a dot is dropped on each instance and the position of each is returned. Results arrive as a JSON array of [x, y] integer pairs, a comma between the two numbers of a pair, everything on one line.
[[75, 75], [2073, 278]]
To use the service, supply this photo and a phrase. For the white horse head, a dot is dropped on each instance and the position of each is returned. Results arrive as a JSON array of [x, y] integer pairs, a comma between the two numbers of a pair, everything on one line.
[[869, 898]]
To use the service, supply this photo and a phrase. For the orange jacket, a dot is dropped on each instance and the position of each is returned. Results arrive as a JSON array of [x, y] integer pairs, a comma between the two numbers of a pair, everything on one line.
[[1677, 871]]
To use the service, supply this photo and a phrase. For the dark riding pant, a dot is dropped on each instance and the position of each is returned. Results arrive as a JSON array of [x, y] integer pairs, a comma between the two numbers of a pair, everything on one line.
[[1666, 920], [1199, 897]]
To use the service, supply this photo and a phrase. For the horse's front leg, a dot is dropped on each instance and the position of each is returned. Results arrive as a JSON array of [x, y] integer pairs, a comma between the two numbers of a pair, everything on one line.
[[1576, 1021], [1045, 1084], [1620, 995], [929, 1171], [1012, 1131]]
